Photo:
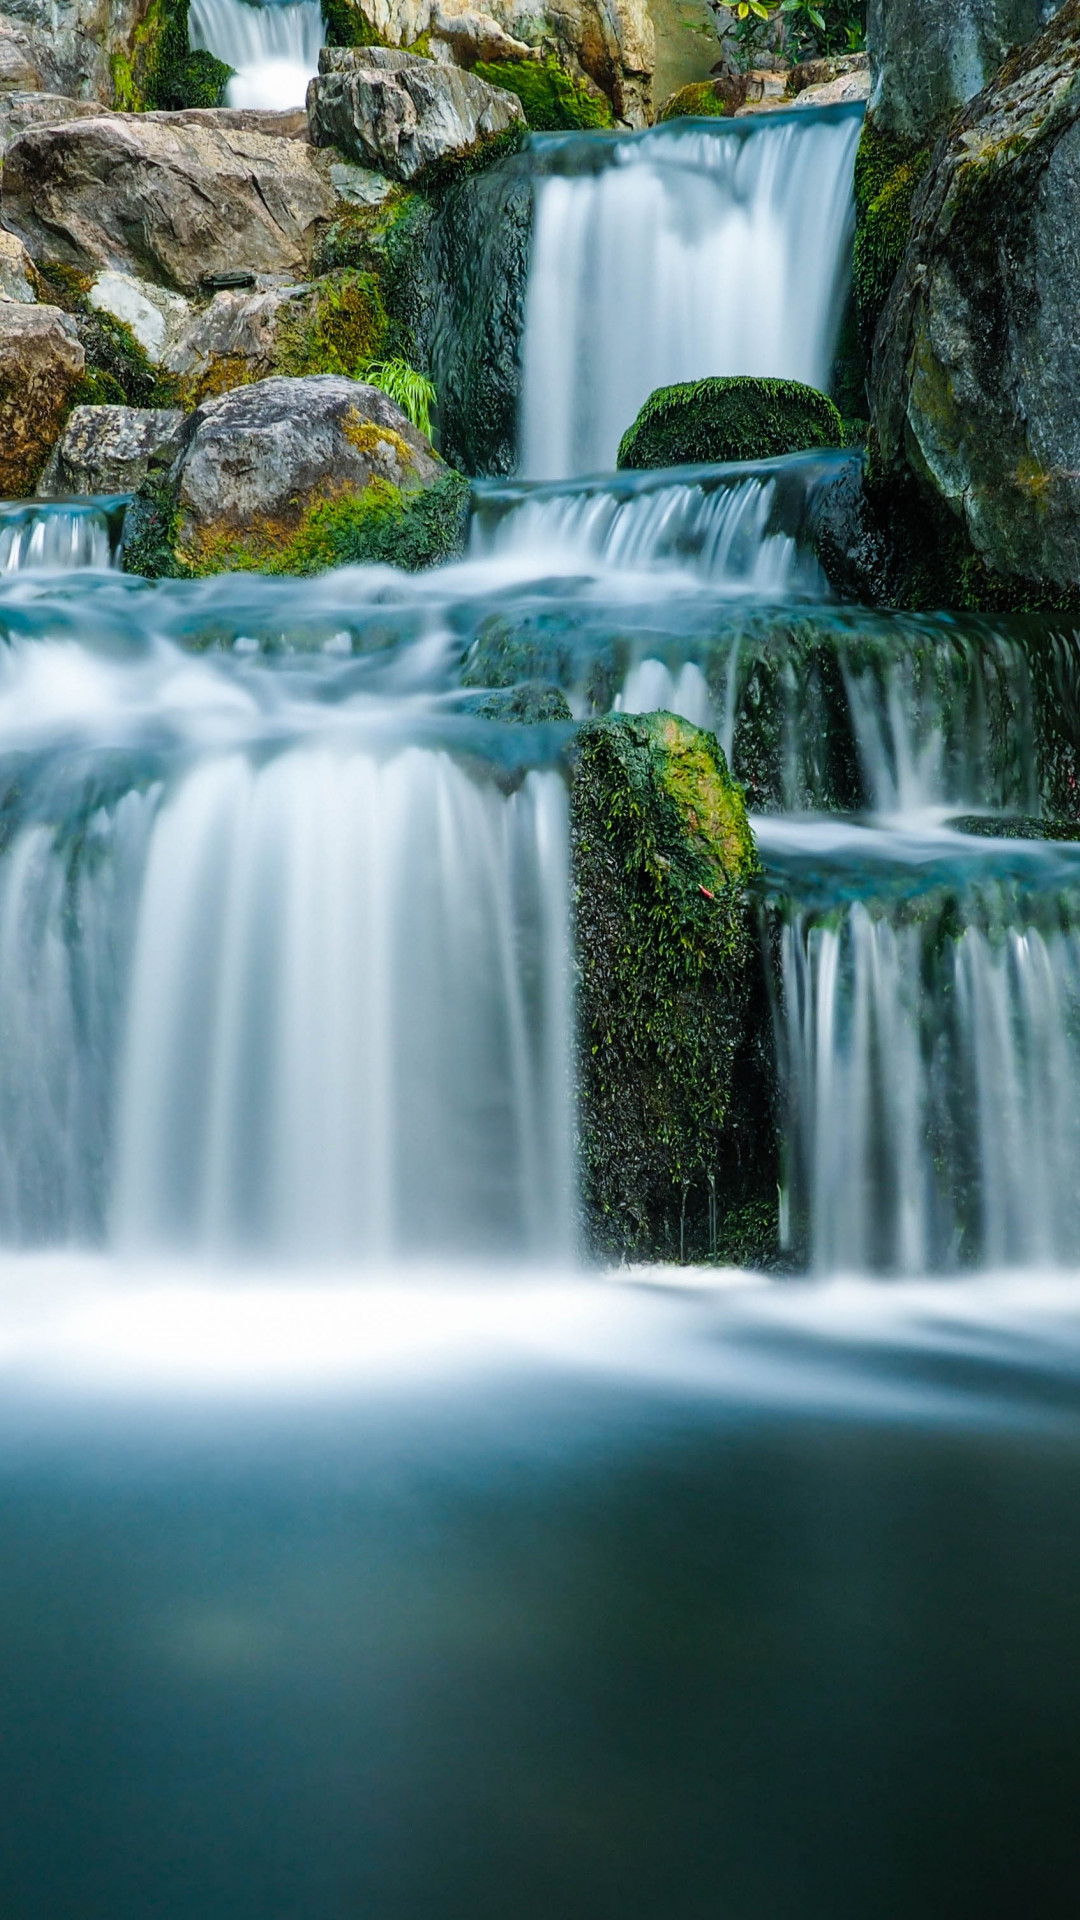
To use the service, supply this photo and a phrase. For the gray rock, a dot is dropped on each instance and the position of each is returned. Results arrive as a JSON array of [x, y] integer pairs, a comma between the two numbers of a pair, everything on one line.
[[401, 114], [20, 110], [927, 57], [975, 382], [71, 44], [238, 334], [107, 449], [41, 360], [164, 200], [18, 281], [254, 460]]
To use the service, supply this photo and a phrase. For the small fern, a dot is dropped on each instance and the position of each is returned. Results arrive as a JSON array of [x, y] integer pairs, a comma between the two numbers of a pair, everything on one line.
[[413, 392]]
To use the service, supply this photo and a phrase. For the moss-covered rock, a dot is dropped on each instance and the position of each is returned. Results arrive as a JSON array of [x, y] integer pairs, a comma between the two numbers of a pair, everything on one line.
[[42, 367], [705, 99], [888, 169], [162, 72], [553, 98], [737, 418], [678, 1153]]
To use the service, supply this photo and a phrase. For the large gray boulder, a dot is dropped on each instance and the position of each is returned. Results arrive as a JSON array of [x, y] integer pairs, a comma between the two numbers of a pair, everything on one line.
[[163, 199], [927, 57], [69, 45], [107, 449], [975, 382], [402, 114], [41, 363], [255, 460]]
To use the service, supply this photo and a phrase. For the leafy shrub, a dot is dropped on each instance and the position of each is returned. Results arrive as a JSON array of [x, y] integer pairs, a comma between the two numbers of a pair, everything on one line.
[[413, 392]]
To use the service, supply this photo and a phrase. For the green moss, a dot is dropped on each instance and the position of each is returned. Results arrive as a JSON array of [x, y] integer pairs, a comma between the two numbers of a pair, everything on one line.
[[344, 328], [703, 99], [150, 529], [483, 153], [553, 98], [117, 370], [163, 72], [729, 419], [382, 525], [676, 1133], [526, 705], [346, 25], [888, 169]]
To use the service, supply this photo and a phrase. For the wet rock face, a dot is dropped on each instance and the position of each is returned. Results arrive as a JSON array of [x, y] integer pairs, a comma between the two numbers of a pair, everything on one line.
[[974, 383], [41, 363], [69, 45], [678, 1153], [107, 449], [928, 57], [401, 114], [165, 200]]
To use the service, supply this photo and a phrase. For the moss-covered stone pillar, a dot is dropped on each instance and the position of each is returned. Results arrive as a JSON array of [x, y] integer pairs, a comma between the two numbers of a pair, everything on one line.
[[677, 1137]]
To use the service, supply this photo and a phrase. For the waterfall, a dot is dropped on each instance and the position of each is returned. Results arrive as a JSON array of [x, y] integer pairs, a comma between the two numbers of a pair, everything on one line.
[[929, 1028], [58, 535], [272, 48], [305, 997], [672, 255]]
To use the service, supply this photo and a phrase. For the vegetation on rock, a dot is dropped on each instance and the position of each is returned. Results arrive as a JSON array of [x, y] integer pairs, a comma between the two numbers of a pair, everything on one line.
[[553, 98], [888, 169], [678, 1155], [163, 72], [340, 332], [737, 418], [703, 99]]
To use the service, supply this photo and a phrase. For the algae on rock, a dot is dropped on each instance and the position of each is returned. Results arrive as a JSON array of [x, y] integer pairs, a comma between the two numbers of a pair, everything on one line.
[[730, 418], [677, 1139]]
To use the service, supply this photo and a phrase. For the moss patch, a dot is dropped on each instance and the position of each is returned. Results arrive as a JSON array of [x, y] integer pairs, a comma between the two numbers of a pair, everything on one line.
[[553, 98], [888, 169], [729, 419], [346, 25], [678, 1154], [118, 372], [344, 328], [163, 72], [703, 99]]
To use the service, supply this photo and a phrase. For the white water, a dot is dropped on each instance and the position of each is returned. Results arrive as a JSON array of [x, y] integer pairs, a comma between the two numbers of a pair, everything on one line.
[[692, 253], [300, 1000], [55, 537], [273, 49]]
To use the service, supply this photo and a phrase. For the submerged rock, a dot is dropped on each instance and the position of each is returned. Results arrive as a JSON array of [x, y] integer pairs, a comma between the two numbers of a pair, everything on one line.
[[736, 418], [41, 364], [678, 1152], [107, 449], [402, 114], [974, 384], [291, 475], [164, 200]]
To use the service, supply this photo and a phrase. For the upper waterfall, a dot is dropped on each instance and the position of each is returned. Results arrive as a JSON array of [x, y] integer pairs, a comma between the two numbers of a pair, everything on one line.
[[273, 49], [671, 255]]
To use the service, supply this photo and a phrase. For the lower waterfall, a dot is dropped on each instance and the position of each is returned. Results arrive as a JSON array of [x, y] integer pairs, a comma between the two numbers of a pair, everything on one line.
[[273, 48]]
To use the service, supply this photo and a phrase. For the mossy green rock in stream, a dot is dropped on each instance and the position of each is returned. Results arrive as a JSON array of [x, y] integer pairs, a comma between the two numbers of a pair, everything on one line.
[[678, 1151], [730, 418], [975, 388]]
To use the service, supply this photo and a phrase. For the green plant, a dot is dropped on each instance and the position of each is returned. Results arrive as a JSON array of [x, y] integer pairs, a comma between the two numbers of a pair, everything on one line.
[[163, 73], [553, 98], [413, 392], [803, 29]]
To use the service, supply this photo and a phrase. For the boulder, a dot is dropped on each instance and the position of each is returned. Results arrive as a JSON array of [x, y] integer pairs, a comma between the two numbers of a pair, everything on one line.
[[335, 324], [164, 200], [19, 68], [41, 363], [975, 381], [706, 99], [18, 277], [156, 316], [107, 449], [927, 57], [677, 1143], [70, 45], [283, 474], [402, 114], [20, 110], [610, 42], [842, 90], [731, 418]]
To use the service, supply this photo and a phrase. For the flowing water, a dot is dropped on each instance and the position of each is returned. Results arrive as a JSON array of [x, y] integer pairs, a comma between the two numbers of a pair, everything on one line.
[[361, 1554], [273, 48]]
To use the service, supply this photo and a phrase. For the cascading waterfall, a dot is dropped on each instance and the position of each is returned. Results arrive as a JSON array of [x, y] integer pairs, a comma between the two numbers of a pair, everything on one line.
[[674, 254], [59, 535], [273, 48]]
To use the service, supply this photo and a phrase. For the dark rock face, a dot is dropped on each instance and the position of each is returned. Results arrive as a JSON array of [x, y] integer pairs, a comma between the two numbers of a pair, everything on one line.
[[975, 382], [927, 57], [678, 1154], [402, 114], [164, 199], [735, 418], [107, 449]]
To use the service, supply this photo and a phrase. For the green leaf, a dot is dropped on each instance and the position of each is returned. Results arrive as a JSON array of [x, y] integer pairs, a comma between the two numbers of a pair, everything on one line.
[[816, 18]]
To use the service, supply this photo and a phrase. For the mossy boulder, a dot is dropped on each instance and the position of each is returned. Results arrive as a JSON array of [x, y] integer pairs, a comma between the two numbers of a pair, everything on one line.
[[162, 72], [737, 418], [294, 475], [705, 99], [42, 369], [553, 98], [888, 169], [678, 1151]]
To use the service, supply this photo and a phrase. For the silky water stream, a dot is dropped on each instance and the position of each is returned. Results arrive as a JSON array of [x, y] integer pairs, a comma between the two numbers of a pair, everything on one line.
[[361, 1554]]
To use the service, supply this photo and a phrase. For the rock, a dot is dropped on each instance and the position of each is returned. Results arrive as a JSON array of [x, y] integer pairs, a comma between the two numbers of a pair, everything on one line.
[[401, 114], [846, 87], [927, 57], [677, 1144], [735, 418], [18, 277], [107, 449], [72, 44], [280, 472], [610, 42], [766, 92], [18, 61], [276, 123], [41, 363], [332, 325], [467, 37], [18, 111], [724, 94], [164, 200], [975, 381], [156, 316], [554, 99], [822, 72]]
